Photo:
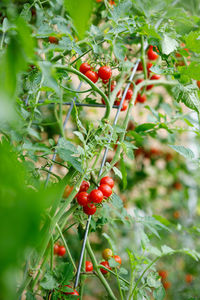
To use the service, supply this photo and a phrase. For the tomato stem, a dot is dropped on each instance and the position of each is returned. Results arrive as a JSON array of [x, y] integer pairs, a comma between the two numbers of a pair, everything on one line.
[[100, 276]]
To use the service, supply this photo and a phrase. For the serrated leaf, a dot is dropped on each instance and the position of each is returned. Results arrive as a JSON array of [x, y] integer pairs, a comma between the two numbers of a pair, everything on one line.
[[64, 272], [168, 44], [192, 70], [193, 41], [167, 250], [66, 151], [186, 152], [49, 282], [116, 201], [159, 293], [117, 172], [188, 95], [113, 263], [119, 51]]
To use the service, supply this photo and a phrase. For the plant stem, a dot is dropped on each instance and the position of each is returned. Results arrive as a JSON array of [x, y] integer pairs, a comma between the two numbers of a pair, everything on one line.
[[119, 286], [139, 279], [128, 114], [113, 273], [94, 87], [143, 57], [52, 253], [100, 276], [66, 246]]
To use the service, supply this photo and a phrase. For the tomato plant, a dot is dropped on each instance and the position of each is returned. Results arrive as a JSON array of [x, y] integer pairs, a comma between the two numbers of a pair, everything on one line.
[[99, 147]]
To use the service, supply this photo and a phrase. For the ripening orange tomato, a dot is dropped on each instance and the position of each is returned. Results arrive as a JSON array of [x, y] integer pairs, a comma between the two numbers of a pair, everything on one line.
[[67, 191]]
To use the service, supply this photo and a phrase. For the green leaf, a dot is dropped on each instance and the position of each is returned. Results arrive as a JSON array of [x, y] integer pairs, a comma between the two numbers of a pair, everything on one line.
[[49, 282], [116, 201], [117, 172], [64, 272], [188, 95], [166, 250], [192, 70], [144, 127], [119, 51], [186, 152], [30, 296], [193, 41], [159, 293], [113, 263], [66, 151], [168, 44], [49, 76], [80, 12], [152, 282]]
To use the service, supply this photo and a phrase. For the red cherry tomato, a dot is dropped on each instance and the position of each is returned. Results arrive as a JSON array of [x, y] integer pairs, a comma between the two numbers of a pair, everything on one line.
[[139, 80], [177, 185], [106, 190], [95, 196], [166, 285], [82, 198], [75, 293], [141, 98], [88, 266], [118, 259], [53, 40], [188, 278], [89, 209], [153, 77], [56, 248], [124, 105], [152, 55], [61, 251], [84, 186], [140, 66], [107, 180], [198, 83], [149, 65], [105, 72], [129, 94], [67, 191], [93, 76], [105, 264], [112, 88], [163, 274], [84, 67]]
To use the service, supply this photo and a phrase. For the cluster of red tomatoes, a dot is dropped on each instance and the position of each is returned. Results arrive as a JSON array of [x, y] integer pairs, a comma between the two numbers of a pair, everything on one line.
[[107, 254], [167, 284], [59, 250], [96, 196], [104, 73], [163, 274], [152, 55]]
